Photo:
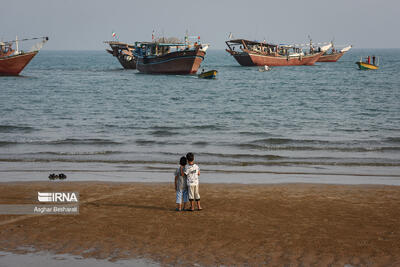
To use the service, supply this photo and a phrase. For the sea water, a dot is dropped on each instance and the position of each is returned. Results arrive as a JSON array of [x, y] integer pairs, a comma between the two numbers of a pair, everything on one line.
[[80, 113]]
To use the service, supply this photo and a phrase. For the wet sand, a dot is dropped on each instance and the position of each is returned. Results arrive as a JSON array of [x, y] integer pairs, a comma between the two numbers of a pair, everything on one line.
[[244, 225]]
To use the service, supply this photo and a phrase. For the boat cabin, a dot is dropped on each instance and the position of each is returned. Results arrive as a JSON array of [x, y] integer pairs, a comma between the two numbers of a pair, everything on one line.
[[6, 49], [159, 49], [242, 45]]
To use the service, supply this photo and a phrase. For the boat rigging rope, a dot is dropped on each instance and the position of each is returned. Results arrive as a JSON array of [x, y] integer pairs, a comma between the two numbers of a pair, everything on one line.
[[45, 38]]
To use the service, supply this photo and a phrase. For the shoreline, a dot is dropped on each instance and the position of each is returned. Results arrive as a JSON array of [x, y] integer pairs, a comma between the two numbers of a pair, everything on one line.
[[55, 182], [241, 224], [45, 259], [272, 177]]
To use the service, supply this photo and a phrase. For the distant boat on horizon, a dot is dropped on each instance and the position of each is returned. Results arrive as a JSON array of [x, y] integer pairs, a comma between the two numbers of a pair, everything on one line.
[[12, 62]]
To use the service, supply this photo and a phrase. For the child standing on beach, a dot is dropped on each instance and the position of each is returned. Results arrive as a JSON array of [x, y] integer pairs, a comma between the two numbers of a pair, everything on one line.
[[181, 186], [192, 172]]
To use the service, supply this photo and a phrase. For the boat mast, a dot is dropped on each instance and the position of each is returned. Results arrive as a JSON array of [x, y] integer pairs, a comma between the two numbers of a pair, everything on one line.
[[16, 45]]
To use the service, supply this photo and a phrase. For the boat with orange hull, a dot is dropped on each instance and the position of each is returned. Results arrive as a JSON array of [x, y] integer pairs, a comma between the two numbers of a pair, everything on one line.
[[12, 62], [13, 65], [252, 53], [159, 58], [248, 58], [330, 57]]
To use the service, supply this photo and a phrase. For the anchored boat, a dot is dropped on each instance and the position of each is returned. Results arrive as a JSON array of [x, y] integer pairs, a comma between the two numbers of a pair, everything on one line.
[[12, 62], [334, 55], [367, 65], [252, 53], [211, 74], [169, 58]]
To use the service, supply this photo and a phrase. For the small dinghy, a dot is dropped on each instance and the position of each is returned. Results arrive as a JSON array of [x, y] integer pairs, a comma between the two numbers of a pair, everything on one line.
[[211, 74], [264, 68]]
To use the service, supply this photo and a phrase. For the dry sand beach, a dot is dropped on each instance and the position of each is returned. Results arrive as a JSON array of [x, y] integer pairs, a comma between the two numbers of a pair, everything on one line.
[[243, 225]]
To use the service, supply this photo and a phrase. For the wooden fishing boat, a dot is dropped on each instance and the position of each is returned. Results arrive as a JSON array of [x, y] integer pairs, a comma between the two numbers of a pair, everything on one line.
[[13, 65], [211, 74], [252, 53], [367, 65], [123, 52], [334, 55], [12, 62], [169, 58]]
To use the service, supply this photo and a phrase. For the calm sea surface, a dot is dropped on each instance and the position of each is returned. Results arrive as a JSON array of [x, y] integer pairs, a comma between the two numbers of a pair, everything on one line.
[[81, 114]]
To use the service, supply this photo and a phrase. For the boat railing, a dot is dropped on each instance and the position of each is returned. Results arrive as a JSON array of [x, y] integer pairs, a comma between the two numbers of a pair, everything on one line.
[[7, 50], [158, 49]]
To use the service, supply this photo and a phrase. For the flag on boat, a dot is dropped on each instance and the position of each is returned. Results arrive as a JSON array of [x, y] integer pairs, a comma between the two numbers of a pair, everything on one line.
[[114, 34], [152, 35]]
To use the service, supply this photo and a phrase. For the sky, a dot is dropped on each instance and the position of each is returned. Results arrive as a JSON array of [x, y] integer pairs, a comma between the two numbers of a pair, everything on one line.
[[85, 24]]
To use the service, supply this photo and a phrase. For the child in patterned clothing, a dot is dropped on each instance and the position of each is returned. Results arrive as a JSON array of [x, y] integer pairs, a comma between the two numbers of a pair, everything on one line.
[[181, 186], [192, 172]]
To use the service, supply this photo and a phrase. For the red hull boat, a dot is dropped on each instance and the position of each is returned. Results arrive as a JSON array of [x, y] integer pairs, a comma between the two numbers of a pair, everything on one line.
[[247, 58], [334, 55], [330, 57], [13, 65], [263, 54], [12, 62]]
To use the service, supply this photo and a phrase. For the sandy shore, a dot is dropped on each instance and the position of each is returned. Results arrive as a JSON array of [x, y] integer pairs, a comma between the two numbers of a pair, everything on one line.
[[250, 225]]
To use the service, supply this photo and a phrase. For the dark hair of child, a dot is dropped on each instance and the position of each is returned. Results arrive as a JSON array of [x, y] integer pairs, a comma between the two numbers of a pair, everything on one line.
[[183, 161], [190, 156]]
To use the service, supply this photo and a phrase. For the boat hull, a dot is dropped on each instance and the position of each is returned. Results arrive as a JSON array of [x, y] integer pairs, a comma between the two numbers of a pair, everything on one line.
[[13, 65], [253, 59], [330, 57], [127, 61], [180, 62], [127, 64], [366, 66]]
